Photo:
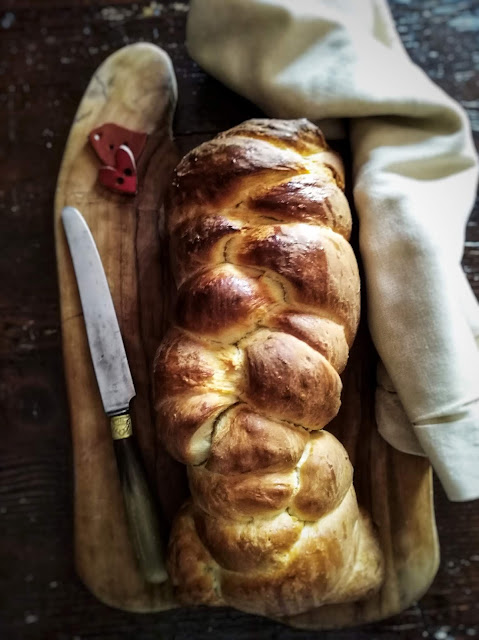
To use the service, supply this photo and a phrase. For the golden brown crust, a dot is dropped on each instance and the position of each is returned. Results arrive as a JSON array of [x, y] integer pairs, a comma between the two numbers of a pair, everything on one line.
[[211, 174], [241, 496], [245, 546], [199, 242], [224, 302], [246, 441], [325, 336], [317, 269], [324, 478], [186, 364], [277, 564], [267, 307], [289, 380], [305, 198], [300, 135], [186, 425], [189, 563]]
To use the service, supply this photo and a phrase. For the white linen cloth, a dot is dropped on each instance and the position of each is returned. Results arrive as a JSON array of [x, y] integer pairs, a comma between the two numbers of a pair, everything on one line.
[[415, 177]]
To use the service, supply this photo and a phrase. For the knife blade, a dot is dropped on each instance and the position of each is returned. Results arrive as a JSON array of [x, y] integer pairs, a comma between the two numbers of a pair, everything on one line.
[[117, 390]]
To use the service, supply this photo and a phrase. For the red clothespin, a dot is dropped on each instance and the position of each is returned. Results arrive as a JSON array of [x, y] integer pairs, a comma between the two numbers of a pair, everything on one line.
[[122, 176], [119, 148]]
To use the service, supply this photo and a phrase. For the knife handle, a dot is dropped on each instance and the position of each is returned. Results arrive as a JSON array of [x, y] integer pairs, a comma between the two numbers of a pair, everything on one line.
[[140, 509]]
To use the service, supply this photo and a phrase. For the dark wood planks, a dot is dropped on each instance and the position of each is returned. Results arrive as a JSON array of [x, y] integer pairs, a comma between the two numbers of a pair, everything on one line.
[[48, 53]]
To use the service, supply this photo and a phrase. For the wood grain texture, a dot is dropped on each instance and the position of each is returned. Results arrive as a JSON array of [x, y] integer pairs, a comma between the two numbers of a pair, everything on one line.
[[134, 88], [50, 49]]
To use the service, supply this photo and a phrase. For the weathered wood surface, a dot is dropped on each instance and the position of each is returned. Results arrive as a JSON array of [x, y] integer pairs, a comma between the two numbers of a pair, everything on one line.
[[136, 89], [49, 51]]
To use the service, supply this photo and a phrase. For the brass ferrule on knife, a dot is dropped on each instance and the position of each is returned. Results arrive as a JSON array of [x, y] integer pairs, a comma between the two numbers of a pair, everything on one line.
[[121, 426]]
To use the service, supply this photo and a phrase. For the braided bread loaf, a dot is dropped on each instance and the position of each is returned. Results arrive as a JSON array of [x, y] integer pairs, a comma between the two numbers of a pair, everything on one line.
[[267, 308]]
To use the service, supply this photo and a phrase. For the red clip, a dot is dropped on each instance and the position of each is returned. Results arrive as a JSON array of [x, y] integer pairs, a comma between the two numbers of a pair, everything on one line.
[[106, 139], [122, 176]]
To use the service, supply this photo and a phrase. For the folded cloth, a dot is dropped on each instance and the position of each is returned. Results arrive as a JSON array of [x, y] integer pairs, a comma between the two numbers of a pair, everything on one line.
[[415, 177]]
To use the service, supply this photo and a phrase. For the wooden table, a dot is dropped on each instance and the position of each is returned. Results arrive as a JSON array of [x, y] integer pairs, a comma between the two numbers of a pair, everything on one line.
[[50, 48]]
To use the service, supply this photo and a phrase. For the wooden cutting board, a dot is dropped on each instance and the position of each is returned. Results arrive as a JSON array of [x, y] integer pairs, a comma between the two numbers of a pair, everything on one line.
[[136, 88]]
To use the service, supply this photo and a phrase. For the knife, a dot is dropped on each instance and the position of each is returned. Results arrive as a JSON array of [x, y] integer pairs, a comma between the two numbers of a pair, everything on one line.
[[117, 390]]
